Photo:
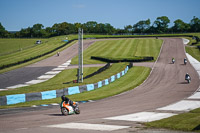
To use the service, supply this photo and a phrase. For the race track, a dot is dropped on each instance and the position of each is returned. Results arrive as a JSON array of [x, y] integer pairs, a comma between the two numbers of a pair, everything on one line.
[[33, 71], [165, 85]]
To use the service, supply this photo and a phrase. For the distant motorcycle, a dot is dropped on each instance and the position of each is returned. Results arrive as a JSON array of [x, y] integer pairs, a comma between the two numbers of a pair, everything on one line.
[[173, 60], [188, 78], [185, 61], [66, 109]]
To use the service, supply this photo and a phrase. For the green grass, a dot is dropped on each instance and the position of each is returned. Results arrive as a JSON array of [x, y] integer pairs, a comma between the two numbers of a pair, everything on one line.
[[46, 46], [134, 77], [31, 52], [194, 52], [66, 76], [120, 49], [186, 122], [14, 45]]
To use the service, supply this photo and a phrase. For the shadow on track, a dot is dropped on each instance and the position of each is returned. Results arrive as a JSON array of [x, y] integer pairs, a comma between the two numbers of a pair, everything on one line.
[[55, 114]]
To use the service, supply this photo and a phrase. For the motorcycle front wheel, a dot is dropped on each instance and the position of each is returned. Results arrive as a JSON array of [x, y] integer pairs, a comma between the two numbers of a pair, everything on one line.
[[64, 111], [77, 110]]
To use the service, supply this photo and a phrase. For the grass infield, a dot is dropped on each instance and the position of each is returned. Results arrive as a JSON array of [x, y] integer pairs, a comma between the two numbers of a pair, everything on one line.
[[135, 76], [58, 82], [122, 48], [186, 122]]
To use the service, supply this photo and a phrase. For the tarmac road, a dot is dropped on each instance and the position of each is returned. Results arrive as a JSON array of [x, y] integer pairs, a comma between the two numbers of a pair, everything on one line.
[[164, 86]]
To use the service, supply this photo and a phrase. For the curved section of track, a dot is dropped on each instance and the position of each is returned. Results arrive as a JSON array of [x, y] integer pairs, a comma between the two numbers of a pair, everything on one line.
[[33, 71], [164, 86]]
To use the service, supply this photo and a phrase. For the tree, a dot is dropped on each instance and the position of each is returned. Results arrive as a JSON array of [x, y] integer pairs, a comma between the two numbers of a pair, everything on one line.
[[195, 24], [90, 27], [128, 29], [25, 32], [77, 26], [141, 26], [161, 24], [109, 29], [180, 26], [37, 30], [101, 28], [3, 32]]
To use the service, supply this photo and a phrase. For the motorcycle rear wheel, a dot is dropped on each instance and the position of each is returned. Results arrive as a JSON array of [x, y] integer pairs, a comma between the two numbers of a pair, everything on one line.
[[64, 111]]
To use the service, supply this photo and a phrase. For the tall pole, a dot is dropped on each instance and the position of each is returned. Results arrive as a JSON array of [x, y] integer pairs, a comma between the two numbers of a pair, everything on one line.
[[80, 55]]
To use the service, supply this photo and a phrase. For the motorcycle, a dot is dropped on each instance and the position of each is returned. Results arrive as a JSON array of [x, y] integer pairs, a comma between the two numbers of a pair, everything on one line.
[[188, 78], [185, 61], [66, 109], [173, 61]]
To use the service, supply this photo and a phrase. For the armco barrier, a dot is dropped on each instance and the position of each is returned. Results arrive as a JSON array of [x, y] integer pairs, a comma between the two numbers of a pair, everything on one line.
[[19, 98]]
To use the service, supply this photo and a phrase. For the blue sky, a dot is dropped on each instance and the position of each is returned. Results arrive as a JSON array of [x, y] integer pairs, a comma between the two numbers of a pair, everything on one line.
[[17, 14]]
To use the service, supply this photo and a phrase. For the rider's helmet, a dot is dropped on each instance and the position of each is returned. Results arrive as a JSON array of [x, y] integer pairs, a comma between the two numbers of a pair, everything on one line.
[[66, 99], [63, 97]]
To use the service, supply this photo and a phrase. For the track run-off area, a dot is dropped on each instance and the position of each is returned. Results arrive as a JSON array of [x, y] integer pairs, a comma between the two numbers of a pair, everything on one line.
[[121, 113]]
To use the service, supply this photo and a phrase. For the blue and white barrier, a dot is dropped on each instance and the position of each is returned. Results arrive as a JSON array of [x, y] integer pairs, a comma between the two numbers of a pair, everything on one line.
[[20, 98]]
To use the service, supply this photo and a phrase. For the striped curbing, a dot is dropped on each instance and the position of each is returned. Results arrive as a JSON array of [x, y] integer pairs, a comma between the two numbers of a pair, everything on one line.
[[142, 116], [183, 105], [19, 98], [87, 126]]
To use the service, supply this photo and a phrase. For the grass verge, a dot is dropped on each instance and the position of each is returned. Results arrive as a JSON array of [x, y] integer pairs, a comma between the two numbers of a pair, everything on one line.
[[68, 75], [35, 60], [121, 48], [194, 52], [134, 77], [186, 122], [9, 46]]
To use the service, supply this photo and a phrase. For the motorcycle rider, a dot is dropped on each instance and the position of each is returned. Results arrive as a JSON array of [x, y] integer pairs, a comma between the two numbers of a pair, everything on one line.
[[173, 60], [185, 60], [67, 100], [186, 76]]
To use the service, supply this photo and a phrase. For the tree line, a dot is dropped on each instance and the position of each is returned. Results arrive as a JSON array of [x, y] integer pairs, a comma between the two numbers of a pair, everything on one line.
[[160, 25]]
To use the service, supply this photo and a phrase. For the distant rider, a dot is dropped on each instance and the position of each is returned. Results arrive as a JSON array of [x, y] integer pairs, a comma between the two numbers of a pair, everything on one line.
[[185, 60], [173, 60]]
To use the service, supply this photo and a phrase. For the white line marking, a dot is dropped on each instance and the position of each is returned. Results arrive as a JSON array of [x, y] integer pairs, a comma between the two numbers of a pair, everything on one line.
[[195, 96], [185, 41], [35, 82], [53, 72], [87, 126], [63, 66], [142, 116], [17, 86], [46, 76], [66, 64], [3, 89], [195, 63], [55, 104], [69, 61], [183, 105], [58, 69]]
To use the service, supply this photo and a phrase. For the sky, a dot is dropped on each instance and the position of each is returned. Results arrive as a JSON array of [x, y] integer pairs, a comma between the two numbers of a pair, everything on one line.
[[18, 14]]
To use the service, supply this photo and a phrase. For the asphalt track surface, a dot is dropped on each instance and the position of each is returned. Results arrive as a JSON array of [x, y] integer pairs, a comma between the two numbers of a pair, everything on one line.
[[164, 86]]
